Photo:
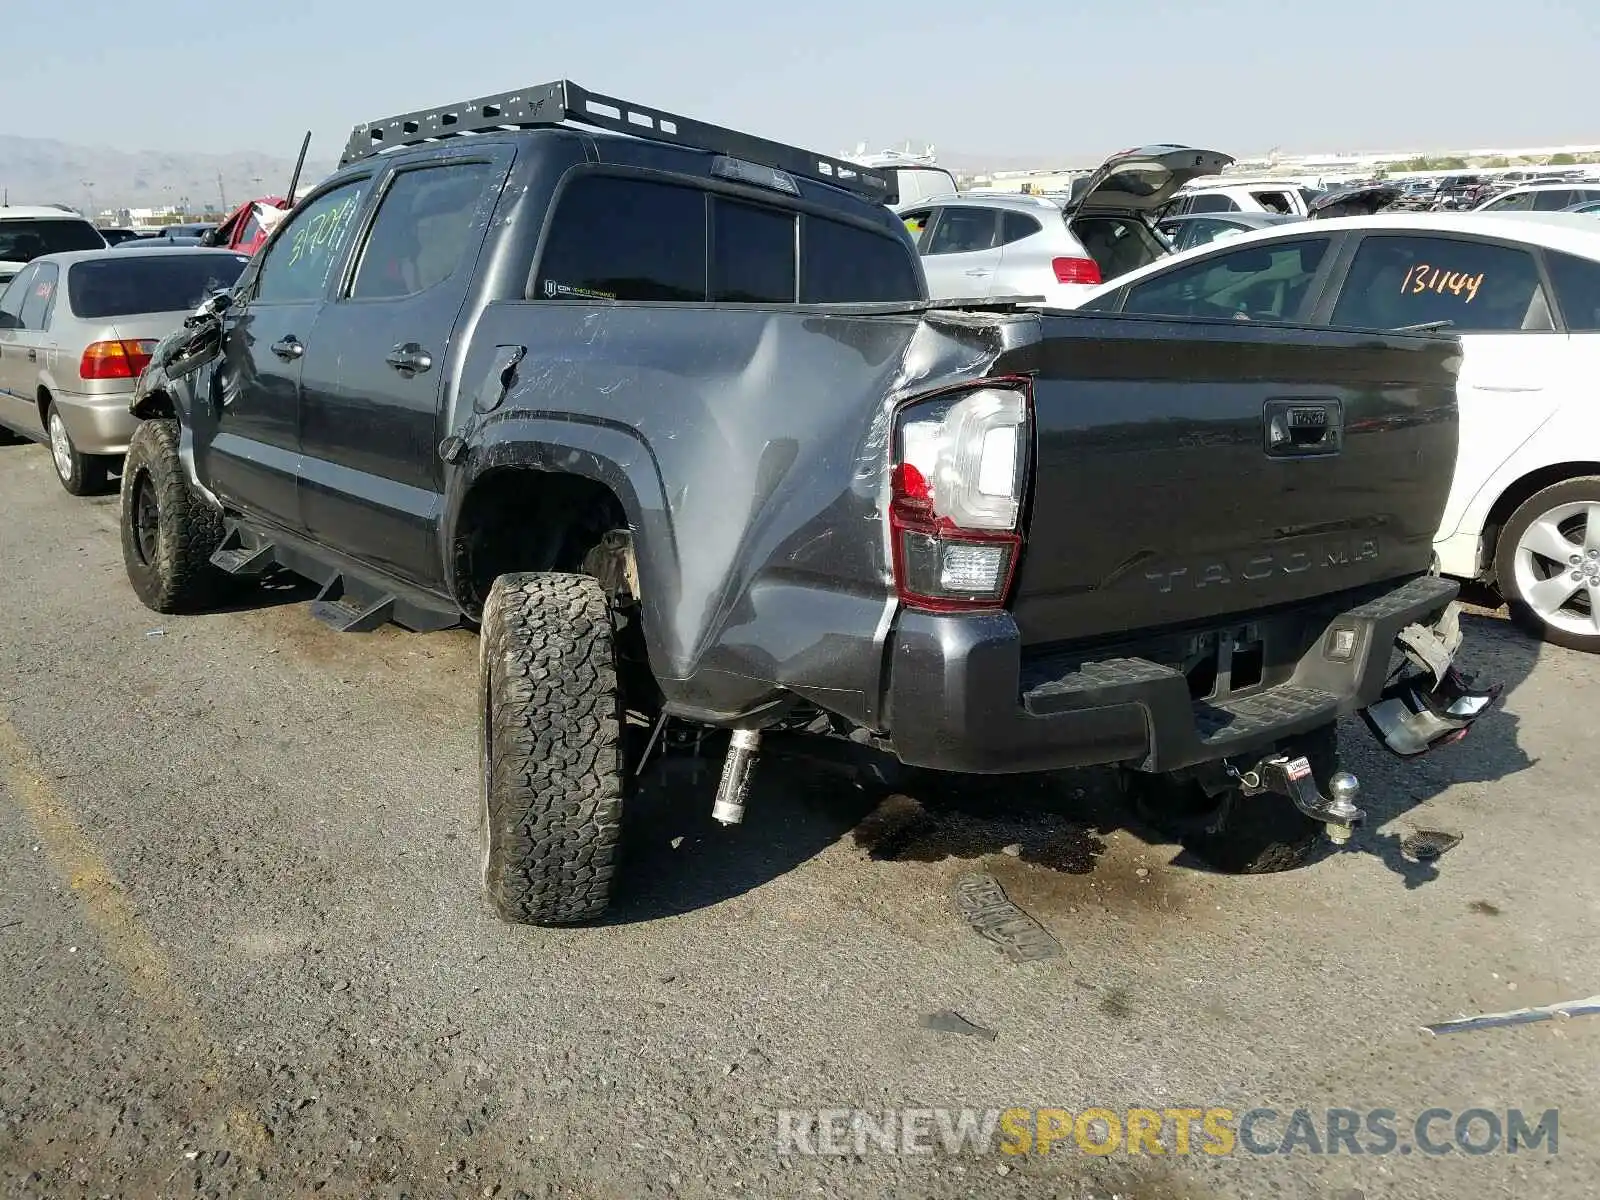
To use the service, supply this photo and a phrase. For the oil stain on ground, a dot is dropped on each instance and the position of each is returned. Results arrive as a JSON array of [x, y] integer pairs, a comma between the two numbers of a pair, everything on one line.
[[1045, 839]]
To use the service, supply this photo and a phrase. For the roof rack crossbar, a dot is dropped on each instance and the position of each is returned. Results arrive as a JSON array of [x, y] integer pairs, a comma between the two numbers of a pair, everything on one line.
[[554, 104]]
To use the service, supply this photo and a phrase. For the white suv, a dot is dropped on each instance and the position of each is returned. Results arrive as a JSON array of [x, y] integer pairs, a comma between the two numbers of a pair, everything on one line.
[[26, 233], [1058, 248]]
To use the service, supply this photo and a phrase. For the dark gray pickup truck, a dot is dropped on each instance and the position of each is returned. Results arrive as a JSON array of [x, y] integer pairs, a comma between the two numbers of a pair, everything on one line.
[[665, 410]]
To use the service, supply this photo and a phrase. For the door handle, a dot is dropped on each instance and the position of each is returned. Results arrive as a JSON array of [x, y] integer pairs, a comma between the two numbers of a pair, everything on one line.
[[289, 349], [33, 355], [980, 271], [409, 359]]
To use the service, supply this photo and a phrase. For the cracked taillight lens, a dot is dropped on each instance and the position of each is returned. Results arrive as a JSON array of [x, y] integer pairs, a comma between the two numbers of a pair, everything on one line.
[[958, 481]]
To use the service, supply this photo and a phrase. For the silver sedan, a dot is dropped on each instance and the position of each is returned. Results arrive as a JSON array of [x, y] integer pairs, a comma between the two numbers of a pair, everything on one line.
[[75, 331]]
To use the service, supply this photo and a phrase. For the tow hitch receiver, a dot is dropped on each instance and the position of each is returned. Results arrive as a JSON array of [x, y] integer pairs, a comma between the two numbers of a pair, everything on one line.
[[1412, 718], [1290, 776]]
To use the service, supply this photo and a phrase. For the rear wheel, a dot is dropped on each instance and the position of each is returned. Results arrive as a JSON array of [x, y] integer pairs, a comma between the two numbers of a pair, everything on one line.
[[80, 474], [1547, 563], [552, 748], [1232, 832], [169, 533]]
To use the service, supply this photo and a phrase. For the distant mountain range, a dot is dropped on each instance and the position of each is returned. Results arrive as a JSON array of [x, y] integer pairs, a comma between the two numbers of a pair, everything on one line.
[[44, 171]]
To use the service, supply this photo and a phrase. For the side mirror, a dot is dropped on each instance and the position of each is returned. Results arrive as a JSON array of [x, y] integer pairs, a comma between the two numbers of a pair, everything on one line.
[[187, 354], [212, 307]]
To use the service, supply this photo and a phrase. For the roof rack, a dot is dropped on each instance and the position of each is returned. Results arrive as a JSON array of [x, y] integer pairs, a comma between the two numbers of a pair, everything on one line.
[[553, 104]]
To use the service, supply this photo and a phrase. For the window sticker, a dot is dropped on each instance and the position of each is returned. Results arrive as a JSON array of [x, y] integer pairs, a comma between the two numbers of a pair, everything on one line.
[[554, 289], [1424, 277]]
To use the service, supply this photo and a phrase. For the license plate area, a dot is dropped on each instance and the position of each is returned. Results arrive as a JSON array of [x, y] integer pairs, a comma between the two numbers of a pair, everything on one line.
[[1225, 662]]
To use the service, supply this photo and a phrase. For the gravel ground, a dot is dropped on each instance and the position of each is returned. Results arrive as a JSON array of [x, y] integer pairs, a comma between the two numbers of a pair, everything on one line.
[[243, 953]]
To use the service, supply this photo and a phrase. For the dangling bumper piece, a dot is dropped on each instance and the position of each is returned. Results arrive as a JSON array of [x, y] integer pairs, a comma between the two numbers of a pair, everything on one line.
[[1432, 703]]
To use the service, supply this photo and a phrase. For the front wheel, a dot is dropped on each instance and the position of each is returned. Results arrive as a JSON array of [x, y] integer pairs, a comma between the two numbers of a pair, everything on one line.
[[1547, 563], [1232, 832], [553, 769], [169, 532]]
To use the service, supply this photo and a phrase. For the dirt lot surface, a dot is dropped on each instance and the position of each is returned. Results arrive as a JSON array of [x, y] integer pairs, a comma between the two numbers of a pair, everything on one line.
[[243, 952]]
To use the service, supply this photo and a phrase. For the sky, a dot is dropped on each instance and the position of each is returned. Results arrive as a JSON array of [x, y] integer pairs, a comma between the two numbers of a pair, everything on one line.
[[1057, 81]]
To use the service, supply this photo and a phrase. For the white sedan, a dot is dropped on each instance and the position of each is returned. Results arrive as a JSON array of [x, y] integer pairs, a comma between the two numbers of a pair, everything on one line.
[[1522, 291]]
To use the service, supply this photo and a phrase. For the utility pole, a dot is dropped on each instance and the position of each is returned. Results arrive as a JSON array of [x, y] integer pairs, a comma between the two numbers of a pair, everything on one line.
[[88, 195], [222, 194]]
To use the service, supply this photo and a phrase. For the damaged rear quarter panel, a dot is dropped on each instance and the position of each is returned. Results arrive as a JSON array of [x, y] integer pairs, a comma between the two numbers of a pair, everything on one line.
[[749, 448]]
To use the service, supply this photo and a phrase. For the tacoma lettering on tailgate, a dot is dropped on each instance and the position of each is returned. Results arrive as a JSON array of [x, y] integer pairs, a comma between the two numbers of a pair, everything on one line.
[[1257, 567]]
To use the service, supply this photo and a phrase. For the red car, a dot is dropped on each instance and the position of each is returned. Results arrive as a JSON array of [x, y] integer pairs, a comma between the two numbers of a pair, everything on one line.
[[247, 228]]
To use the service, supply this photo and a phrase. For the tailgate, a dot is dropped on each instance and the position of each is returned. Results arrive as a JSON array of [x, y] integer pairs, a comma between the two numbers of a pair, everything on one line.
[[1187, 470]]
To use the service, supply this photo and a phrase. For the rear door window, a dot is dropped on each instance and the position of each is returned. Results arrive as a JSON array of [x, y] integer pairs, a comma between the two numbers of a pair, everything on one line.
[[1398, 280], [149, 283], [1552, 201], [963, 230], [1257, 283], [11, 299], [41, 297], [1577, 284], [423, 231], [1515, 202], [1212, 202], [612, 238]]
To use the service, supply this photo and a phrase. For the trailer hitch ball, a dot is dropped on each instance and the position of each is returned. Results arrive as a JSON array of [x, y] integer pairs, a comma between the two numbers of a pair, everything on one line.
[[1343, 788], [1292, 777]]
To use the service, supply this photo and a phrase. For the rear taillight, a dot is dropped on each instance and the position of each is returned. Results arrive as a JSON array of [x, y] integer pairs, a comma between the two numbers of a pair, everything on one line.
[[1076, 270], [122, 359], [959, 475]]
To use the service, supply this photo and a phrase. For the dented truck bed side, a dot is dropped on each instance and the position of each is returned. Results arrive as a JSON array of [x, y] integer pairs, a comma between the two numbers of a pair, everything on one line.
[[750, 450]]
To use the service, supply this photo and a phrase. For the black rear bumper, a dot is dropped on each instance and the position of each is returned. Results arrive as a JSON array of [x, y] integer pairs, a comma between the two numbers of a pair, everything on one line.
[[964, 695]]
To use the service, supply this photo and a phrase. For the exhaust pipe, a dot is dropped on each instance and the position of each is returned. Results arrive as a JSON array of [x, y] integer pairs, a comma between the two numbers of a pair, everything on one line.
[[736, 769]]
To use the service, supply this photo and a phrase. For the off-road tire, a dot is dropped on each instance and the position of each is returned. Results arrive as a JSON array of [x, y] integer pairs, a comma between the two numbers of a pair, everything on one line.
[[1234, 833], [553, 764], [84, 474], [169, 566], [1569, 493]]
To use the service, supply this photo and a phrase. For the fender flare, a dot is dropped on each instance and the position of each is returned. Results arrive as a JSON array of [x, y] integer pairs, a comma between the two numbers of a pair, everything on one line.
[[156, 397], [608, 453]]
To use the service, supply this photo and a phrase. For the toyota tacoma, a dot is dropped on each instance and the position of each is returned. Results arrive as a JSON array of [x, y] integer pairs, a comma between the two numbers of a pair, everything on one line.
[[663, 409]]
